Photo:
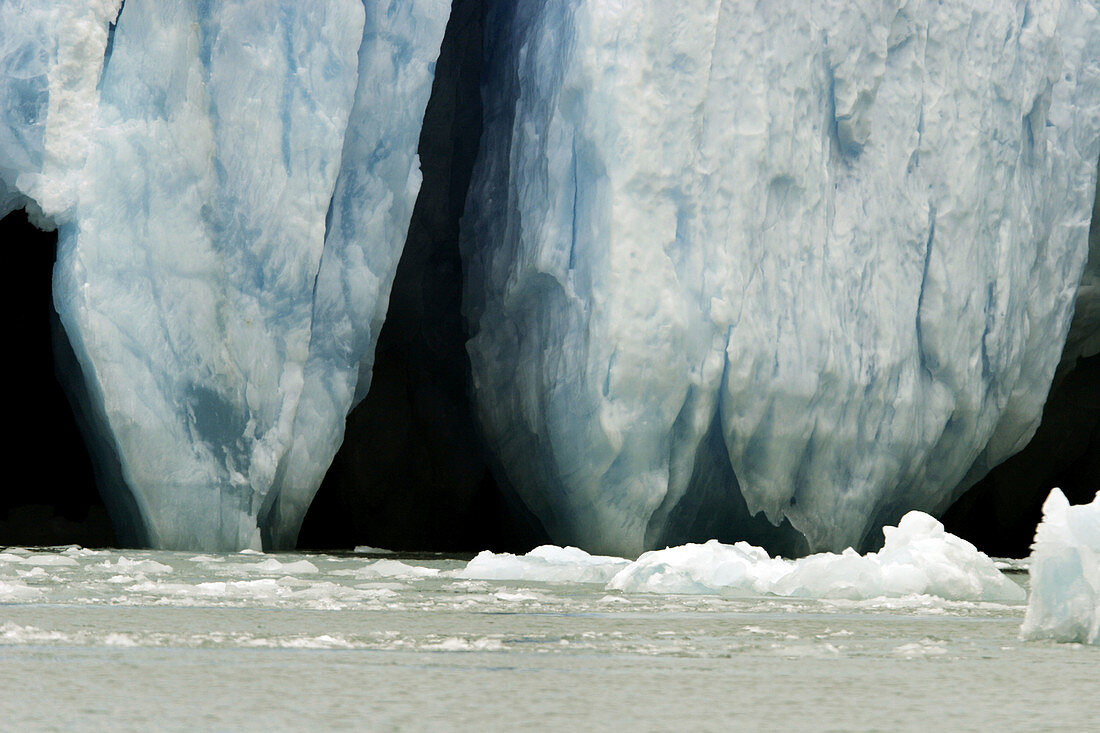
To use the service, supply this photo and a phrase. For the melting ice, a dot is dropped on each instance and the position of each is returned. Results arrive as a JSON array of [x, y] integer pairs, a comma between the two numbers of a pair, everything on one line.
[[919, 558], [1065, 573]]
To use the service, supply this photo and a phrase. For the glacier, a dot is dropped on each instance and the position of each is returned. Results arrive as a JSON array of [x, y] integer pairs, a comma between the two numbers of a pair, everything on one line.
[[768, 274], [1064, 604], [811, 265], [231, 182]]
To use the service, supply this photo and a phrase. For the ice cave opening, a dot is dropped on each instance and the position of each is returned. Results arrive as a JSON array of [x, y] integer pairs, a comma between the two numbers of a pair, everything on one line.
[[50, 497]]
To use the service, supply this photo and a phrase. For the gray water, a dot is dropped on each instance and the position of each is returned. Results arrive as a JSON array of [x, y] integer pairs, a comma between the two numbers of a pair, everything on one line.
[[128, 640]]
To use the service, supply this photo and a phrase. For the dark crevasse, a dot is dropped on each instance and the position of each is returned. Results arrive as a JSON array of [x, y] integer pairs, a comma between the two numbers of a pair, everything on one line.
[[50, 497], [412, 472]]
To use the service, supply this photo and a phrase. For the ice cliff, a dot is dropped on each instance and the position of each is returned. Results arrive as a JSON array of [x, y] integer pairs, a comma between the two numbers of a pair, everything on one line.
[[232, 182], [814, 262], [774, 274]]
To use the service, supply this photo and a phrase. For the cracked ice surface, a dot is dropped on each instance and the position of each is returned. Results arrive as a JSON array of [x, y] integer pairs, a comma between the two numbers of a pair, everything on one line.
[[830, 251], [232, 184]]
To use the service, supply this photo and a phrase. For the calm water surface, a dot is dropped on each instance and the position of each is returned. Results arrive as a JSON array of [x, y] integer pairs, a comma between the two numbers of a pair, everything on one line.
[[131, 640]]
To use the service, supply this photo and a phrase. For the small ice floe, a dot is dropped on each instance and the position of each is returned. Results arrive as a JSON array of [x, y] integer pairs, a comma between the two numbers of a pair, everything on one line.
[[271, 566], [1065, 573], [368, 550], [923, 648], [126, 566], [16, 590], [462, 644], [394, 569], [546, 564], [49, 560], [1011, 564]]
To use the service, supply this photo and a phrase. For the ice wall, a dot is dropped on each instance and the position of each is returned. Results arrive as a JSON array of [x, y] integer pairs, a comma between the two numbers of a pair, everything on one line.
[[816, 261], [232, 181]]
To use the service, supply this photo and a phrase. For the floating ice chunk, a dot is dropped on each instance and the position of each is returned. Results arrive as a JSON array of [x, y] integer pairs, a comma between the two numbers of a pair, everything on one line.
[[17, 590], [919, 557], [546, 564], [394, 569], [459, 644], [1011, 564], [922, 648], [271, 566], [125, 565], [368, 550], [1065, 573], [49, 560]]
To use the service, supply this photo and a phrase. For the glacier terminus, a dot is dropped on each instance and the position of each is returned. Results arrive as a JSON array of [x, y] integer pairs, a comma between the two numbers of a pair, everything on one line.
[[774, 273]]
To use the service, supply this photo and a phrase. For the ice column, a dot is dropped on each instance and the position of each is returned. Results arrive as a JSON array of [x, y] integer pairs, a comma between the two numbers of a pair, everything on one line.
[[232, 182]]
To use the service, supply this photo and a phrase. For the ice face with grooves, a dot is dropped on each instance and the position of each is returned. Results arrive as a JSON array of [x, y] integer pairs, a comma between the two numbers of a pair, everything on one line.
[[849, 234], [228, 232]]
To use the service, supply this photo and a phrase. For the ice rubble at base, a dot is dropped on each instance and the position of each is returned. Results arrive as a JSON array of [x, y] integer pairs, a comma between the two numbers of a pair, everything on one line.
[[232, 182], [919, 558], [821, 256], [1064, 604], [547, 564]]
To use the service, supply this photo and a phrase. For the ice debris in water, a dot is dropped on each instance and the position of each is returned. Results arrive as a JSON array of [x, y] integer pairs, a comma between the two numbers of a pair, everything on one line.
[[547, 564], [919, 558], [1065, 573]]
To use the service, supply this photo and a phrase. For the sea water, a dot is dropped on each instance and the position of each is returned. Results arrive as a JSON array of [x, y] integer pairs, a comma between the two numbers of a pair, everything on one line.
[[139, 640]]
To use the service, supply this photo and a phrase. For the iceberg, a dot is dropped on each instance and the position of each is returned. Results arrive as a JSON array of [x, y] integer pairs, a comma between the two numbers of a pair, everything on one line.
[[1064, 604], [232, 182], [918, 559], [810, 265]]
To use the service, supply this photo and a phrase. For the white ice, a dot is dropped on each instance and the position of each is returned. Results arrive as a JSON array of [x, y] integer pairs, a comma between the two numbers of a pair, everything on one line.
[[919, 558], [546, 564], [1064, 604]]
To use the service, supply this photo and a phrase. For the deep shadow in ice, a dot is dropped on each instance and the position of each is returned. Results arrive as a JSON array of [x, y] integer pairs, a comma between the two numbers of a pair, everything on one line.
[[50, 496], [412, 472], [1000, 512]]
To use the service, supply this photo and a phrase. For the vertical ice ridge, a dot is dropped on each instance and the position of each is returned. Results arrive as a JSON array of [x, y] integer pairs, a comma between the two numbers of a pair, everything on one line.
[[365, 225]]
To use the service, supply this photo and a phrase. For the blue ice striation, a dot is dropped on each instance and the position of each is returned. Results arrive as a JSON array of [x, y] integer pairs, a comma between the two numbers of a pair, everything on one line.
[[232, 181], [812, 263]]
